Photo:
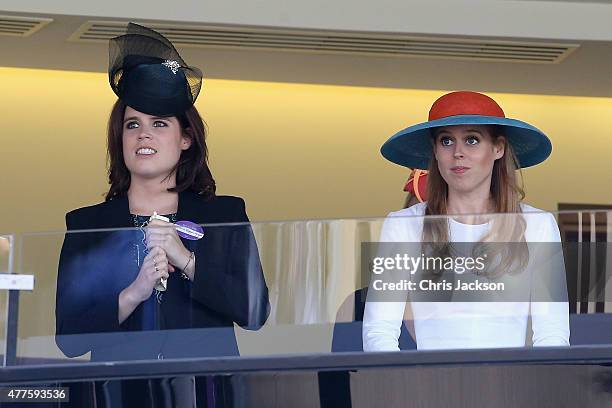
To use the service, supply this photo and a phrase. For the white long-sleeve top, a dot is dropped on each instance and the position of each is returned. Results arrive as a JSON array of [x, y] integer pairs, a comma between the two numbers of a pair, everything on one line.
[[466, 325]]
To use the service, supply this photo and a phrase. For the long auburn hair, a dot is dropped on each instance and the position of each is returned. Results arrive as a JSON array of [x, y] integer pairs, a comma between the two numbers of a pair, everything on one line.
[[192, 171], [507, 193]]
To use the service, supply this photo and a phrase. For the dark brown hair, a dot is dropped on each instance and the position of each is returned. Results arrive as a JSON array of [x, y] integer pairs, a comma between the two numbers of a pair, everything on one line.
[[192, 172]]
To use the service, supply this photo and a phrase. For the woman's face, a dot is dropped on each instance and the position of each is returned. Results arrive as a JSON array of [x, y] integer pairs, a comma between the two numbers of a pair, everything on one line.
[[152, 145], [465, 155]]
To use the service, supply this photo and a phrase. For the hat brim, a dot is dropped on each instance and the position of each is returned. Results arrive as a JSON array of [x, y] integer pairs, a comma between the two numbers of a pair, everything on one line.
[[412, 146]]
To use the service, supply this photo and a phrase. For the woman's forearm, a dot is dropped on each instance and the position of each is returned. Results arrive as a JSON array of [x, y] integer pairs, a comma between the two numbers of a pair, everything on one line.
[[188, 264], [127, 304]]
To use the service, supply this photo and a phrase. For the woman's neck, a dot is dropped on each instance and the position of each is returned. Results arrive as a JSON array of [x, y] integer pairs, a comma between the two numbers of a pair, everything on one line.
[[470, 205], [146, 197]]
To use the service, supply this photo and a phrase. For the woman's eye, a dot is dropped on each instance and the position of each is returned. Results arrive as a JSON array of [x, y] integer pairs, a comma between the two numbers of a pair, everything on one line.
[[472, 140], [131, 125], [446, 141], [159, 123]]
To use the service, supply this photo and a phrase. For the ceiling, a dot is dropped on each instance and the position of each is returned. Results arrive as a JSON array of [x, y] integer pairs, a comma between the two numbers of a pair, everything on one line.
[[573, 1], [584, 72]]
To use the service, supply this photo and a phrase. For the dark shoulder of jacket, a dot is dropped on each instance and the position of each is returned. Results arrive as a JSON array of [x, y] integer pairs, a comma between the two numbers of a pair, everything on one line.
[[236, 204], [228, 208], [86, 217]]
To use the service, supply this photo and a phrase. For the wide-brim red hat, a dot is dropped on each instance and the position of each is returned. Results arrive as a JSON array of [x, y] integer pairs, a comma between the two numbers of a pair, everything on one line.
[[412, 146]]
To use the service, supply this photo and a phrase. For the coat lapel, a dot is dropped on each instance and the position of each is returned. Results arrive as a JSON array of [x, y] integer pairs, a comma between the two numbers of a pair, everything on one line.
[[116, 213], [190, 209]]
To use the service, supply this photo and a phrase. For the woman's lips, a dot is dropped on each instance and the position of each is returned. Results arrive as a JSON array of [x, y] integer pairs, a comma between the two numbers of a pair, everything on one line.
[[459, 169]]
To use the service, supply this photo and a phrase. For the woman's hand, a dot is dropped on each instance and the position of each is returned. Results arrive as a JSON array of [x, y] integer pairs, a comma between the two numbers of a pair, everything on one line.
[[163, 235], [154, 267]]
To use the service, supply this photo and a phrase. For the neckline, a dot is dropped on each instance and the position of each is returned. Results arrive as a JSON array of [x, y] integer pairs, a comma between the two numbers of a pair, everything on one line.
[[148, 216], [486, 224], [141, 221]]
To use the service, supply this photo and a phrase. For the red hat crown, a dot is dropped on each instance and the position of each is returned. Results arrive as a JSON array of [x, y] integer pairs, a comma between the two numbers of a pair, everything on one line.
[[464, 103]]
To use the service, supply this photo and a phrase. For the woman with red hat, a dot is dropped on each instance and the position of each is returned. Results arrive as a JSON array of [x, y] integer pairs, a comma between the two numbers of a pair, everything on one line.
[[472, 153]]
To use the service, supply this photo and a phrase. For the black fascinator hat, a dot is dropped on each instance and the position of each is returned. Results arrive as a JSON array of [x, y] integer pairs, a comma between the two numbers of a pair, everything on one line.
[[147, 73]]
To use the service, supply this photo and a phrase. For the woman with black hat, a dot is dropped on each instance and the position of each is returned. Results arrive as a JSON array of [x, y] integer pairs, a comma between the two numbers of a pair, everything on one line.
[[472, 153], [168, 273]]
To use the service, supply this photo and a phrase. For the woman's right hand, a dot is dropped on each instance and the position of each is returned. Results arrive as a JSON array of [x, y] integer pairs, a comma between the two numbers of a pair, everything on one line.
[[154, 267]]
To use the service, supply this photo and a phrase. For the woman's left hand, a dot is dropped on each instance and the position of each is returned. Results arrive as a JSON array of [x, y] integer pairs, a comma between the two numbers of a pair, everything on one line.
[[163, 234]]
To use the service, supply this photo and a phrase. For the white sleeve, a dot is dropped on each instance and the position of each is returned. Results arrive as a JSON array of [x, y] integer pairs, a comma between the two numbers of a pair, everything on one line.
[[550, 320], [382, 325], [382, 320]]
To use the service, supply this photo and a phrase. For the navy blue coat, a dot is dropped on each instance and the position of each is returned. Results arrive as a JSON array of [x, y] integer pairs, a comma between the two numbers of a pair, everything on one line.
[[196, 318]]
